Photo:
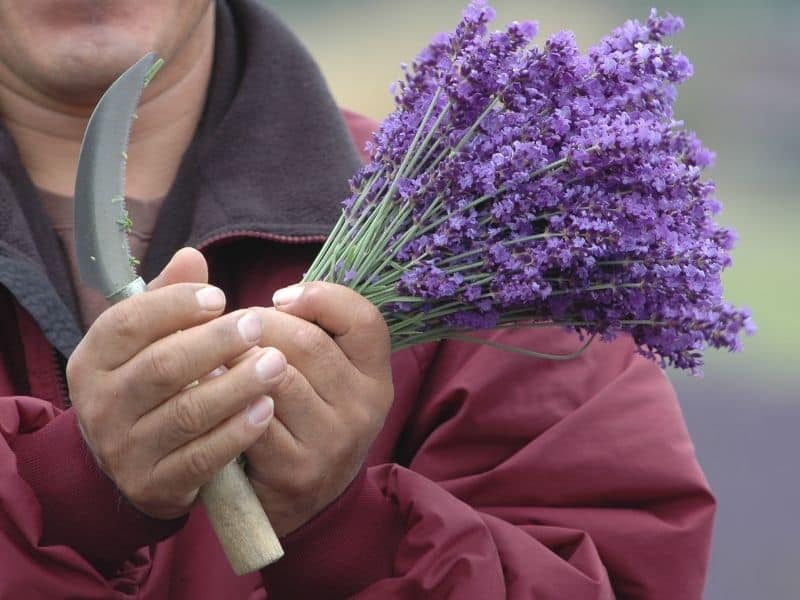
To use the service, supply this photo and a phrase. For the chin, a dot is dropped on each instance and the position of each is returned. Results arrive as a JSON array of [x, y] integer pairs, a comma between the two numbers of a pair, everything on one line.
[[74, 49], [101, 54], [84, 69]]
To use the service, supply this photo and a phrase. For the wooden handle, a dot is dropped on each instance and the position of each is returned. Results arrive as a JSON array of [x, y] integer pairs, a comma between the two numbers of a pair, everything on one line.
[[239, 520]]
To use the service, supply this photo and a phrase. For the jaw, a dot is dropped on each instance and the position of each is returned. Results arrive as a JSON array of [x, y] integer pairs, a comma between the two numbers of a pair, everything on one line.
[[73, 49]]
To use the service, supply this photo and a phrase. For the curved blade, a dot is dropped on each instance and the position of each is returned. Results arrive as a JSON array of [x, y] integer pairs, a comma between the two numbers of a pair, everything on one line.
[[101, 221]]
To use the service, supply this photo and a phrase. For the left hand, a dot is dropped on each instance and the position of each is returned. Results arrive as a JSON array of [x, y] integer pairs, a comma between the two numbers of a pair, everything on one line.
[[330, 404]]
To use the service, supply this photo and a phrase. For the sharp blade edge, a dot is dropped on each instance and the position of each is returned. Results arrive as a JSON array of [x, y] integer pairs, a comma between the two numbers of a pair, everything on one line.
[[101, 234]]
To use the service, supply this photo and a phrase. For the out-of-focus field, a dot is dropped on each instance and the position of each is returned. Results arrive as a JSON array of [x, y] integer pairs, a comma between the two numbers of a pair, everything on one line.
[[744, 101]]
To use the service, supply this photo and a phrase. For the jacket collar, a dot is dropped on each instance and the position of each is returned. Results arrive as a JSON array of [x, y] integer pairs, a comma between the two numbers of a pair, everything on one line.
[[272, 154], [271, 157]]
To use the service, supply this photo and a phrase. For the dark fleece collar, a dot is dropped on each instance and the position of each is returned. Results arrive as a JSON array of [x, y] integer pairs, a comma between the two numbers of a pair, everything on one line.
[[271, 156]]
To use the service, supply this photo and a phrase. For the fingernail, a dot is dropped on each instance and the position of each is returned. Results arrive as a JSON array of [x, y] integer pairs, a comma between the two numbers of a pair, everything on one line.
[[270, 365], [210, 298], [249, 327], [260, 411], [287, 295]]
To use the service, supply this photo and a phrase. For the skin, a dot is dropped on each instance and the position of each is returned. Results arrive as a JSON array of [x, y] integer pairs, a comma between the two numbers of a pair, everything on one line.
[[58, 57], [305, 427]]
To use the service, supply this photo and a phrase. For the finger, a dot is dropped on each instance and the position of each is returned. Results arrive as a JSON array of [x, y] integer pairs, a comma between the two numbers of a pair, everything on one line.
[[301, 421], [186, 266], [192, 465], [126, 328], [277, 451], [297, 406], [200, 408], [301, 410], [244, 356], [310, 350], [167, 366], [355, 323]]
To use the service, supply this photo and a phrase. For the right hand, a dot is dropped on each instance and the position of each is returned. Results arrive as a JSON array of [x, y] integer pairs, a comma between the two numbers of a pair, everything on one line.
[[156, 438]]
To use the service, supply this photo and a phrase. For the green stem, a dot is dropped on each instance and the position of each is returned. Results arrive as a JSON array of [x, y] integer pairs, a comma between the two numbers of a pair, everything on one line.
[[386, 203], [322, 258], [417, 164], [523, 351], [599, 287], [374, 248]]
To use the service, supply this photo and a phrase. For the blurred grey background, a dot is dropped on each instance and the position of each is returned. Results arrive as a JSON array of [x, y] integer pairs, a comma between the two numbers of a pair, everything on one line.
[[743, 102]]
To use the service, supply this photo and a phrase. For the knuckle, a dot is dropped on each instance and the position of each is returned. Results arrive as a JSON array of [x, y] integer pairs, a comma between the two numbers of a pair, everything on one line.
[[94, 416], [239, 385], [166, 367], [291, 380], [126, 321], [189, 415], [105, 448], [76, 369], [82, 377], [369, 317], [311, 340], [226, 330], [313, 292], [112, 454], [199, 462], [126, 382], [369, 320]]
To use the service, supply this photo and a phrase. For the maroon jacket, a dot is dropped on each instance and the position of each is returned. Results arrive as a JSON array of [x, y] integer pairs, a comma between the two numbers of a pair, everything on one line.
[[495, 476]]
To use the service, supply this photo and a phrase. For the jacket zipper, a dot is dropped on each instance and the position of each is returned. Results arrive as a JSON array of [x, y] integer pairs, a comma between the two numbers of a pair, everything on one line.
[[272, 237], [61, 380]]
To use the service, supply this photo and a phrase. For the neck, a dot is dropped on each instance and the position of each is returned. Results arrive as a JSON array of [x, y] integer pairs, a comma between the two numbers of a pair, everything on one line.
[[48, 132]]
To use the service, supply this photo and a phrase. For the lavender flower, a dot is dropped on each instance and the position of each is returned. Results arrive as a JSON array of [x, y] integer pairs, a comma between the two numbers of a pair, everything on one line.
[[518, 185]]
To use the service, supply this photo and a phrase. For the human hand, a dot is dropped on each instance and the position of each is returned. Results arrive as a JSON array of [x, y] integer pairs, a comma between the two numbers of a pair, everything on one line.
[[156, 438], [330, 404]]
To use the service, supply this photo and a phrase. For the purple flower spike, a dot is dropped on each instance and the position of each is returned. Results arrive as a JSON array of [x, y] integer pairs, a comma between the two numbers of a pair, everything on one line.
[[516, 183]]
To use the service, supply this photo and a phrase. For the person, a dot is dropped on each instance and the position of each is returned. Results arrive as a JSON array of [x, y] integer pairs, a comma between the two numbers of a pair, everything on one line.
[[447, 470]]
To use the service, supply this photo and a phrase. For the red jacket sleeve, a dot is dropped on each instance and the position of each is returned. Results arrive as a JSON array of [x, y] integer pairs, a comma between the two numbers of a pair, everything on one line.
[[62, 518], [524, 478]]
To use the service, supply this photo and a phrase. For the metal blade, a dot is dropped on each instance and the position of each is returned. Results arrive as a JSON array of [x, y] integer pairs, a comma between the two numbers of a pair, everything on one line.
[[101, 220]]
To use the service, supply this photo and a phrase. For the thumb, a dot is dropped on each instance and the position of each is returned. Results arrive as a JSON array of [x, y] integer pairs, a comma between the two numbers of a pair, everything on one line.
[[357, 326], [186, 266]]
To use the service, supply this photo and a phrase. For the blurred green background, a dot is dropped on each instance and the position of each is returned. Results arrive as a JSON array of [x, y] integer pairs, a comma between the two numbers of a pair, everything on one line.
[[743, 102]]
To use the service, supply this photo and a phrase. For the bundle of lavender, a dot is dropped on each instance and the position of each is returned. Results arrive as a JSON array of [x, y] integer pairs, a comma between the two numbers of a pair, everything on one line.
[[519, 186]]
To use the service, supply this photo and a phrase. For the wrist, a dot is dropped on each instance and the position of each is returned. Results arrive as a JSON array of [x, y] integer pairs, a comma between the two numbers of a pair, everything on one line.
[[352, 543], [290, 509]]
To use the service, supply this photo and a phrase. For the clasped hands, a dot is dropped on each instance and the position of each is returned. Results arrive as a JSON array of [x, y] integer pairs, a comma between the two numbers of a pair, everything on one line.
[[302, 389]]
